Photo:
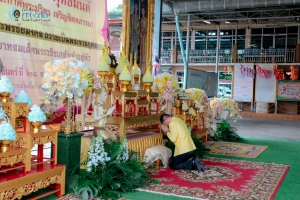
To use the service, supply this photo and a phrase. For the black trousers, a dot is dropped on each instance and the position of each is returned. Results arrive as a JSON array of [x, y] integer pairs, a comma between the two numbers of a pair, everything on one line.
[[182, 161]]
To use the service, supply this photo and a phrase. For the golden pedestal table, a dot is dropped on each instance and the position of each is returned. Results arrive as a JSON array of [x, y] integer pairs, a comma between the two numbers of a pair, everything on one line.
[[22, 173]]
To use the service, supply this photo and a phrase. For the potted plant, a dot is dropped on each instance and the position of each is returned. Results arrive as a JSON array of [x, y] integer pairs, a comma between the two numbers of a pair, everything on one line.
[[36, 117], [6, 88]]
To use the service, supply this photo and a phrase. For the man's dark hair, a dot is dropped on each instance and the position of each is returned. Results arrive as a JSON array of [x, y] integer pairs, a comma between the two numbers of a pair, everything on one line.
[[163, 117]]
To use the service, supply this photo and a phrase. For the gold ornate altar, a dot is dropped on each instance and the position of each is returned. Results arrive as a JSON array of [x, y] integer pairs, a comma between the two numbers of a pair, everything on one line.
[[21, 172], [196, 121]]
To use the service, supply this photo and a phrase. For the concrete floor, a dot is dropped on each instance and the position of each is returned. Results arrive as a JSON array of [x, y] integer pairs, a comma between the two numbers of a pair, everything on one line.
[[267, 128]]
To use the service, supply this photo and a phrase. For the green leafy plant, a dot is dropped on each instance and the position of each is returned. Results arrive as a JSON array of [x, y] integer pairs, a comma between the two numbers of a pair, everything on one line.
[[226, 132], [200, 147], [111, 170]]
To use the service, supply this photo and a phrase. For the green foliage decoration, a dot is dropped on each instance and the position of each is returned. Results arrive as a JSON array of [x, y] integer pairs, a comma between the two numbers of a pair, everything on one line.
[[116, 13], [111, 170], [226, 132]]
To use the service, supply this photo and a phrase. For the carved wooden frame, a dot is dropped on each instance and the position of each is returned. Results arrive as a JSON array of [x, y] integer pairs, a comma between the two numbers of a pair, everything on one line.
[[126, 29]]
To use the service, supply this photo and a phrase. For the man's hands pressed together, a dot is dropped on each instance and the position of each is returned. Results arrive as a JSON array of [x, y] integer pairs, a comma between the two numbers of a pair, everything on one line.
[[165, 129]]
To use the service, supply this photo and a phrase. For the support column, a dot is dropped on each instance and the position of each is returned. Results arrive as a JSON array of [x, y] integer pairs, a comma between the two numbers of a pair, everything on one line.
[[217, 49], [174, 54], [193, 40], [182, 50], [234, 54], [248, 38], [297, 53], [156, 44], [187, 40]]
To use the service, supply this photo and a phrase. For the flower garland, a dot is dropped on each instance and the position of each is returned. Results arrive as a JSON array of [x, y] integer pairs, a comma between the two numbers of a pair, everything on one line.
[[218, 105], [198, 96], [66, 78], [167, 85]]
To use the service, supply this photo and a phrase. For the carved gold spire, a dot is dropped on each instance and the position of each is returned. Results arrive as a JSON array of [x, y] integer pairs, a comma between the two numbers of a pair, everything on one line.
[[136, 71], [147, 78]]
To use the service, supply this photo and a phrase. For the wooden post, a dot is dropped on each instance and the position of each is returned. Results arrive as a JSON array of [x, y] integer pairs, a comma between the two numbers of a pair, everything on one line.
[[174, 54], [234, 54], [297, 54]]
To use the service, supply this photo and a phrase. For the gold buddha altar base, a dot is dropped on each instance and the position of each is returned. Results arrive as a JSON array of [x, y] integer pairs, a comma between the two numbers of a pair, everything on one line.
[[142, 143]]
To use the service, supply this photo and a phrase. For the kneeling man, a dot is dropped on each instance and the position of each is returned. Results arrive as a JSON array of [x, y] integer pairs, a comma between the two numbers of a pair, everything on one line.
[[178, 133]]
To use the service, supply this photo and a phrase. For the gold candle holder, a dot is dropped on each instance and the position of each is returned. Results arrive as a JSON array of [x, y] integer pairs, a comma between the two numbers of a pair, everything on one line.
[[147, 86], [36, 126], [178, 103], [124, 85], [5, 145], [5, 96]]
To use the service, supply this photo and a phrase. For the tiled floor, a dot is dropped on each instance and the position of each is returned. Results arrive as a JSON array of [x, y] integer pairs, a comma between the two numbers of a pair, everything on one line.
[[267, 128]]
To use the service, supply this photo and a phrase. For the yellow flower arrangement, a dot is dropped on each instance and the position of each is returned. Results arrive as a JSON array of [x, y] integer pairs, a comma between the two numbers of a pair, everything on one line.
[[198, 96], [167, 85], [161, 82]]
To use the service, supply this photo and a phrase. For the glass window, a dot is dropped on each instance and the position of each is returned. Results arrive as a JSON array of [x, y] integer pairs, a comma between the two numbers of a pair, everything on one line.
[[281, 30], [213, 32], [200, 43], [292, 41], [226, 32], [255, 31], [292, 29], [268, 30], [211, 43], [201, 33], [241, 42], [166, 44], [226, 43], [167, 34], [241, 32], [280, 42], [255, 42], [267, 42]]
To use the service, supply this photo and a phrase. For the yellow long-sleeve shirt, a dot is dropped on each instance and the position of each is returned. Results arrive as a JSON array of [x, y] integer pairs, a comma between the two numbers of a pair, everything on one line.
[[180, 136]]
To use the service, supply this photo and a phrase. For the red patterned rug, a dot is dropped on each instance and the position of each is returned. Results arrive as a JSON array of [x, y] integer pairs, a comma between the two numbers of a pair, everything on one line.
[[223, 179]]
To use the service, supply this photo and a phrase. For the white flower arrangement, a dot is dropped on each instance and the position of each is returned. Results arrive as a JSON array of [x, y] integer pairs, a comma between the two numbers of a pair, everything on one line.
[[218, 105], [6, 85], [6, 130], [97, 154], [23, 97], [124, 155], [185, 105], [65, 78], [192, 111], [36, 114]]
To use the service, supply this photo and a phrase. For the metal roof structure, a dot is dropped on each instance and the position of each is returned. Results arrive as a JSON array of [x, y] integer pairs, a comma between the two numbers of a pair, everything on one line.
[[206, 14]]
